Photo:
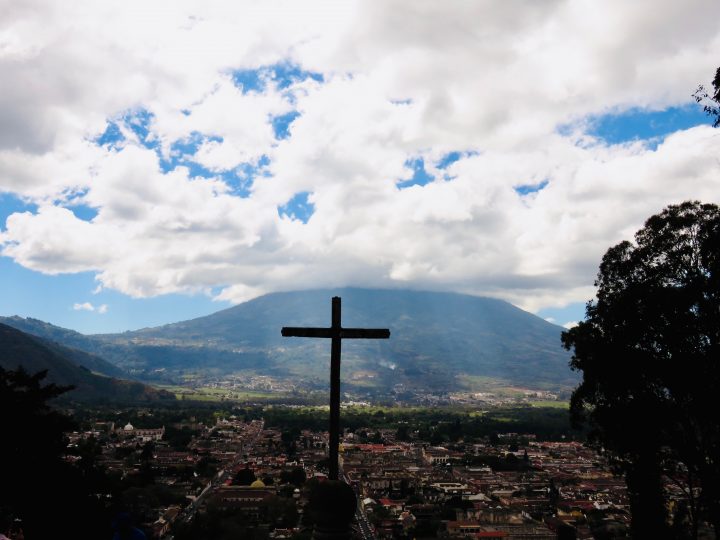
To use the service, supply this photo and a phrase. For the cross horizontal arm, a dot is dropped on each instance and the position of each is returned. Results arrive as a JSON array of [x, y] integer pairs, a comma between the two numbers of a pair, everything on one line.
[[364, 333], [295, 331], [345, 333]]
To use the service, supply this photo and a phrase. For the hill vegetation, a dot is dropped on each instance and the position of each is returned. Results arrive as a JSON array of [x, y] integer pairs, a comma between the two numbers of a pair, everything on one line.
[[18, 349]]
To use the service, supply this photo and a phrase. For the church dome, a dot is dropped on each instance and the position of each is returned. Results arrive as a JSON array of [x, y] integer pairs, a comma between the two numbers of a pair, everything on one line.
[[257, 484], [128, 427]]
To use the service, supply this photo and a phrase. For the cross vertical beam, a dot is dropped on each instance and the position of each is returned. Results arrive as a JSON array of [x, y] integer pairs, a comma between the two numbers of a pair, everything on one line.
[[335, 350], [336, 333]]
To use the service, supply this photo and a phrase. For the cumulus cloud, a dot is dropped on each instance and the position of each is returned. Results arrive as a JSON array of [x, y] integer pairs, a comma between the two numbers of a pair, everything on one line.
[[189, 201], [87, 306]]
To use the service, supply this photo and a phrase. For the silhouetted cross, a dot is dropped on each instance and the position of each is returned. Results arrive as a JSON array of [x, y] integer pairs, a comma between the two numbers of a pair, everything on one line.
[[337, 333]]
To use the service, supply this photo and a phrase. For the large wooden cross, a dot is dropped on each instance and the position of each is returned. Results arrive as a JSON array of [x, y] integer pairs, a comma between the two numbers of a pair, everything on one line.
[[337, 333]]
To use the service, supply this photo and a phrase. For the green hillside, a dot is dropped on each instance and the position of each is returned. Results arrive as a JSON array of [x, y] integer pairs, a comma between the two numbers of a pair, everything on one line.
[[18, 349]]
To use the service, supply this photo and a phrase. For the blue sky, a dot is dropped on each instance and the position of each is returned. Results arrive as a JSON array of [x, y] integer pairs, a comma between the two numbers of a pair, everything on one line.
[[51, 298], [648, 126], [224, 153]]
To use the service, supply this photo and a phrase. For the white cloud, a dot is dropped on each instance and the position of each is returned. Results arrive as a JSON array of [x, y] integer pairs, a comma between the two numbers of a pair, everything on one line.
[[239, 293], [401, 80], [88, 306], [571, 324]]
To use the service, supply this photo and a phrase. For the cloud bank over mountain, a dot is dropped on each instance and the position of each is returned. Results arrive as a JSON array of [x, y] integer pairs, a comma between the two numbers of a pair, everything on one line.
[[238, 148]]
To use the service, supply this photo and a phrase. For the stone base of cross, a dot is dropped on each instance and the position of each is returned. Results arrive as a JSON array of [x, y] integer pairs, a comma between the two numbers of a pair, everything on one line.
[[336, 333]]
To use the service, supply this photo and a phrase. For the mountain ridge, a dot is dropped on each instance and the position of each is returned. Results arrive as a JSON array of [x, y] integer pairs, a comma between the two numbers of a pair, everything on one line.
[[437, 341], [33, 354]]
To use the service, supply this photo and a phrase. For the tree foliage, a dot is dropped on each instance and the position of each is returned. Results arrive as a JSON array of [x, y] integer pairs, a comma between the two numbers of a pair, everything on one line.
[[710, 103], [649, 351], [51, 497], [244, 477]]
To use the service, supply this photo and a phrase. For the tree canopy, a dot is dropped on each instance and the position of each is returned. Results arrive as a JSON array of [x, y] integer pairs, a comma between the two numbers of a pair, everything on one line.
[[51, 497], [710, 103], [649, 352]]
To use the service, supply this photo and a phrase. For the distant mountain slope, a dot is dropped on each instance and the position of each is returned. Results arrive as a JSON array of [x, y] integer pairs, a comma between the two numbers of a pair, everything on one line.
[[111, 355], [18, 349], [435, 338], [439, 341], [88, 360], [50, 332]]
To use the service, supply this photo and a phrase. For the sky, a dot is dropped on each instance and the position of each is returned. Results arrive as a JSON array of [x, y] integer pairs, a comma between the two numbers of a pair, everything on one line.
[[160, 161]]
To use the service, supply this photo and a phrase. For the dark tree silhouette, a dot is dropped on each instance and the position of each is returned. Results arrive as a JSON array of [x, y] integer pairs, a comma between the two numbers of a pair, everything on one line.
[[34, 428], [51, 497], [244, 477], [295, 476], [710, 103], [649, 351]]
